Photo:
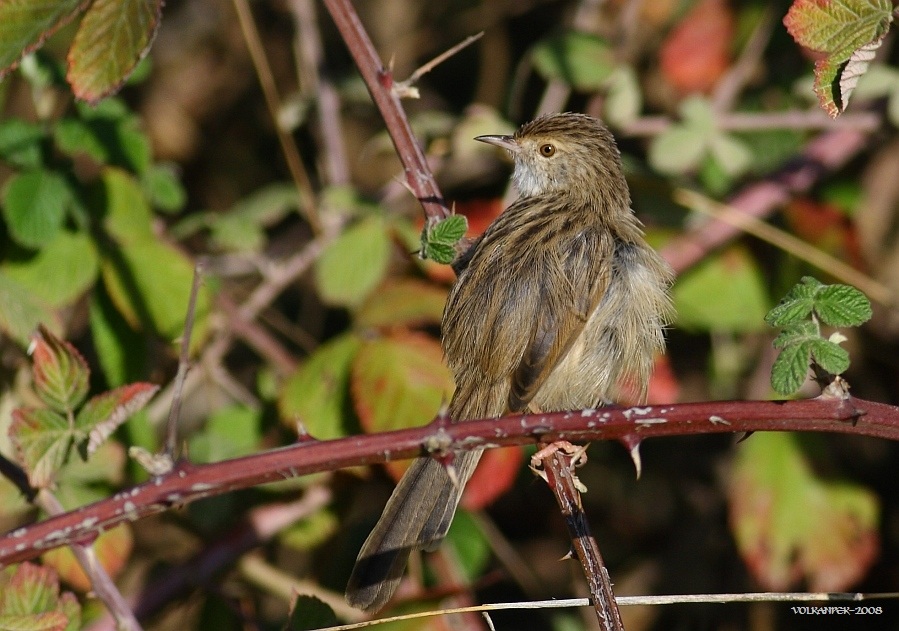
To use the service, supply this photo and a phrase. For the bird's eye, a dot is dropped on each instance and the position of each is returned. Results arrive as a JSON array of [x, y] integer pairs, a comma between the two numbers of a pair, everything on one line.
[[547, 150]]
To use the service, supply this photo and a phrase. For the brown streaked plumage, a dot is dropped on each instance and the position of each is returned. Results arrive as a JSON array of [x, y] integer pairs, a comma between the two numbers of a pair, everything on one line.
[[556, 303]]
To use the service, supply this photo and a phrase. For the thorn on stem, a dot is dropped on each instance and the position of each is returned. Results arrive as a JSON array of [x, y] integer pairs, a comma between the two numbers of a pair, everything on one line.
[[632, 442]]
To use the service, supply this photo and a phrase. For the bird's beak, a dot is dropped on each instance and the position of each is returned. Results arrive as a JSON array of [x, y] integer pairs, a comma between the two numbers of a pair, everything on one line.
[[504, 142]]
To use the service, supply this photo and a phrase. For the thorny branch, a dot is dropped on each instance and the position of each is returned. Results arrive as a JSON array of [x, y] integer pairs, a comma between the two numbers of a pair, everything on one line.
[[188, 482], [380, 84]]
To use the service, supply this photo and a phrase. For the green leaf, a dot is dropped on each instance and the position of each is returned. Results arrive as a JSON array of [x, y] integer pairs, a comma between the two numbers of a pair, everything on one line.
[[60, 272], [793, 528], [449, 230], [149, 282], [624, 99], [113, 37], [438, 240], [42, 439], [34, 206], [104, 413], [849, 31], [582, 60], [797, 304], [77, 137], [121, 350], [842, 305], [25, 24], [229, 433], [404, 302], [733, 155], [473, 551], [354, 264], [310, 532], [60, 372], [109, 134], [697, 112], [678, 149], [242, 228], [740, 298], [20, 143], [127, 214], [830, 356], [791, 368], [164, 189], [21, 311], [439, 253], [317, 394], [797, 332]]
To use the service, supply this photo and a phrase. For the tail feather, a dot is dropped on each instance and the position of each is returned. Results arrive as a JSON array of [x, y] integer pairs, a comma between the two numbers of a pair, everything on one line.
[[417, 516]]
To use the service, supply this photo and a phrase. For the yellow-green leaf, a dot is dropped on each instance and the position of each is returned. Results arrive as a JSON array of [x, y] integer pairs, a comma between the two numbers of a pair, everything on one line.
[[354, 263], [61, 271], [149, 282], [725, 292], [112, 38], [792, 527], [25, 24], [317, 394]]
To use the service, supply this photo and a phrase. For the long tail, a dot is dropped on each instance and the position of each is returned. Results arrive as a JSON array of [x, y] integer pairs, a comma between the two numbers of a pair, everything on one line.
[[417, 516]]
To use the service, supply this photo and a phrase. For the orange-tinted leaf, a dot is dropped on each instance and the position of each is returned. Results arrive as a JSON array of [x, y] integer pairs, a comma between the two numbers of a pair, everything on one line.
[[404, 302], [25, 24], [30, 601], [113, 549], [399, 381], [30, 589], [42, 439], [794, 528], [697, 52], [494, 476], [105, 412], [849, 32], [112, 38], [60, 372]]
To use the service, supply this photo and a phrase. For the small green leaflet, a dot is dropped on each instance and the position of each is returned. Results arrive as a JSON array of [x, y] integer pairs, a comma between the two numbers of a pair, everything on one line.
[[835, 305], [800, 314], [849, 31], [438, 240]]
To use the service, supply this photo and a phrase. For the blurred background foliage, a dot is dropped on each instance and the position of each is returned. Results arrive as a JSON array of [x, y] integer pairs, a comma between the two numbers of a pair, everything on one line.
[[316, 314]]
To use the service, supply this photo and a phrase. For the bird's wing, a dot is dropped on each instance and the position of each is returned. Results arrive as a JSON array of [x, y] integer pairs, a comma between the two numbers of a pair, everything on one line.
[[508, 331], [582, 272]]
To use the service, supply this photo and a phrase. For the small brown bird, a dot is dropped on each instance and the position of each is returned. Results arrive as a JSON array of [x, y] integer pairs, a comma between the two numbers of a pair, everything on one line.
[[556, 304]]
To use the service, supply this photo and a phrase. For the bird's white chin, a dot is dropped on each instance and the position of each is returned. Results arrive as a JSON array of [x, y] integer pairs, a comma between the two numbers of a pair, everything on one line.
[[527, 182]]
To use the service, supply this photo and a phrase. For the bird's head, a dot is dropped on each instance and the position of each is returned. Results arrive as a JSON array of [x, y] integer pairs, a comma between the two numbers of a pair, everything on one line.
[[562, 152]]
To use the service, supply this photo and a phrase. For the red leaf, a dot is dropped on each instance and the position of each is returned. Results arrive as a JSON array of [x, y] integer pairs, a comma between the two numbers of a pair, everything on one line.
[[60, 372], [697, 52], [825, 226], [663, 385], [494, 476]]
